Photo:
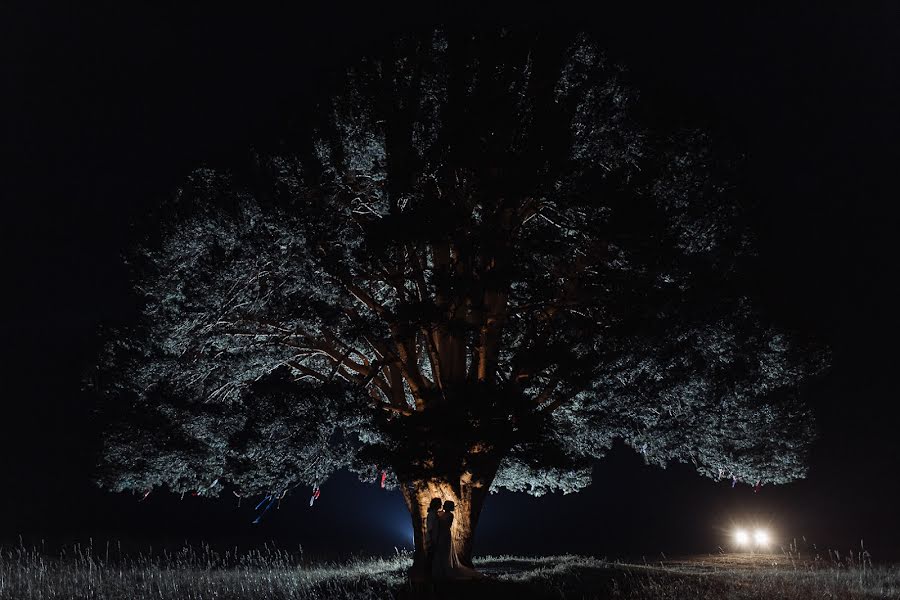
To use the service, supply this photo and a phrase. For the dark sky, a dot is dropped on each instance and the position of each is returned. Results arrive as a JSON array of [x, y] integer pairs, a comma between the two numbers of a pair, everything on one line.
[[104, 109]]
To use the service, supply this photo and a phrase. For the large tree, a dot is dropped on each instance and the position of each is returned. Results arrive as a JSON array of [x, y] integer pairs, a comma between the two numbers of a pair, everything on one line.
[[475, 270]]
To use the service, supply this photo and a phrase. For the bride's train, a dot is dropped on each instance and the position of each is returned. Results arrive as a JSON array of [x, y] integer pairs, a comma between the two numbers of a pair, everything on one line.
[[446, 565]]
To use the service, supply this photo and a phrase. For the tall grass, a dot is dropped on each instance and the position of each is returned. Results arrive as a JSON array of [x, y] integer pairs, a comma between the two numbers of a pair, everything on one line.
[[759, 584], [104, 572], [790, 575]]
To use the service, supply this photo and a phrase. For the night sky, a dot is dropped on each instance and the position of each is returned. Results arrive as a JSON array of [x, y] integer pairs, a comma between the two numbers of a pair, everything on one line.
[[105, 109]]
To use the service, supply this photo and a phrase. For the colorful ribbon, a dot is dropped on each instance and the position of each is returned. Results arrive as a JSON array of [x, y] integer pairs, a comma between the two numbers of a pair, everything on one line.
[[268, 506]]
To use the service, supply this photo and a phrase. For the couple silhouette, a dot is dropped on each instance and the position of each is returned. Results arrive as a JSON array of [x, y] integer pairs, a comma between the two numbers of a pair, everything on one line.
[[441, 561]]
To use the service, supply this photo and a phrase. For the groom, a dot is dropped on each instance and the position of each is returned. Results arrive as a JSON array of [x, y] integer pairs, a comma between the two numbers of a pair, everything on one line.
[[431, 531]]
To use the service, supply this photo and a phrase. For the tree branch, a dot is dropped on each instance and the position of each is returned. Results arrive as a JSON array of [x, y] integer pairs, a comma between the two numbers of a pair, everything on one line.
[[545, 393]]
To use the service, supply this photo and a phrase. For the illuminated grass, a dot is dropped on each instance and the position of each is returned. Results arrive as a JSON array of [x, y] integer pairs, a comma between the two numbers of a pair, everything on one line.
[[192, 573], [199, 572], [723, 577]]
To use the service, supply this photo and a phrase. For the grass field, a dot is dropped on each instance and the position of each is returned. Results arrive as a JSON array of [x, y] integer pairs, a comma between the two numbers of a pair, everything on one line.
[[201, 573]]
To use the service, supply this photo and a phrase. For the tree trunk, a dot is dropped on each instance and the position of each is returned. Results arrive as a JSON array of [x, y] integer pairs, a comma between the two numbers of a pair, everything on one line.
[[468, 494]]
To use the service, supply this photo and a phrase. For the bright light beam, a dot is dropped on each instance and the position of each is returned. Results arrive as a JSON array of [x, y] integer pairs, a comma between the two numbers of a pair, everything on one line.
[[761, 537], [741, 537]]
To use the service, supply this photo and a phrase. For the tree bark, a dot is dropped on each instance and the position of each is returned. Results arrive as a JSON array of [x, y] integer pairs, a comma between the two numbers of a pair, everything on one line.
[[468, 493]]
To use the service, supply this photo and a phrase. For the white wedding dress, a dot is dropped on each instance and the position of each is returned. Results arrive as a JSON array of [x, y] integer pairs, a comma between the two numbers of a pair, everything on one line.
[[446, 565]]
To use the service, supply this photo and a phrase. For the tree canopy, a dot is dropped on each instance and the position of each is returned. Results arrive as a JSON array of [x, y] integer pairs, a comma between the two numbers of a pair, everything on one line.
[[475, 248]]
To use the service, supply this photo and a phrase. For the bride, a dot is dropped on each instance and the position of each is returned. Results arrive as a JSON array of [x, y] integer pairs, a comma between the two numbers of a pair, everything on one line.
[[446, 564]]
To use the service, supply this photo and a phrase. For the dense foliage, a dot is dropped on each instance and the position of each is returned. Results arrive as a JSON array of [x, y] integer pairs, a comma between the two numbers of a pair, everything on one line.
[[476, 249]]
